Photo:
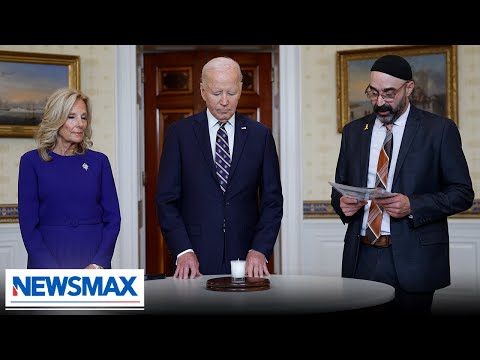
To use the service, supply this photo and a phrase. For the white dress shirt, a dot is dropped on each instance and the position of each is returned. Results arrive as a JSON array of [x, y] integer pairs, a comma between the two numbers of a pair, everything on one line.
[[378, 135]]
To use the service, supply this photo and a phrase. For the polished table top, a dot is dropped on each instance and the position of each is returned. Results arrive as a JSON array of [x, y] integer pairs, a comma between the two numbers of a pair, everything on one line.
[[288, 294]]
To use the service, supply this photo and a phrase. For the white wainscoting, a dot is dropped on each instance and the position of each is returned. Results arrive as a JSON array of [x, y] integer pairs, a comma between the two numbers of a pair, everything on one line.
[[12, 251], [322, 248]]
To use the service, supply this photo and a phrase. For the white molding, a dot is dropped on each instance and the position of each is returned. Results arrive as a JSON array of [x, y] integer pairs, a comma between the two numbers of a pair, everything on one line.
[[291, 157], [322, 245], [464, 258], [12, 250], [126, 251]]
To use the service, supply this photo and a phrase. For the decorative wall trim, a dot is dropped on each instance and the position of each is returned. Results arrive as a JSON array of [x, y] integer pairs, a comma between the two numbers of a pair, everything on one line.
[[318, 209], [8, 213], [321, 209], [473, 212], [312, 209]]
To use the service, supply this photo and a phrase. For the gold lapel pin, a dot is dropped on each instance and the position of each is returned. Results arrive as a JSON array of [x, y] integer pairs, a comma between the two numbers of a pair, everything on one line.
[[366, 127]]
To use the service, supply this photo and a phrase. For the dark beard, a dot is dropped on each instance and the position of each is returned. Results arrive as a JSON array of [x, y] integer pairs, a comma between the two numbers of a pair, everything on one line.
[[394, 113]]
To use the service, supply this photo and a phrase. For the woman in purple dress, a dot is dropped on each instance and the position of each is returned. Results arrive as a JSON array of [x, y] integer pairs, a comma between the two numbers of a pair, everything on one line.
[[67, 201]]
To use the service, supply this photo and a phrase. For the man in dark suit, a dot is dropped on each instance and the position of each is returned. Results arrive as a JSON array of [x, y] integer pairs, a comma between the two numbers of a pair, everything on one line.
[[429, 177], [219, 196]]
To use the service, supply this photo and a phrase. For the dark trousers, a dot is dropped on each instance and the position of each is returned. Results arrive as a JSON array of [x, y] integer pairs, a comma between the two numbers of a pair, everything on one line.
[[376, 263]]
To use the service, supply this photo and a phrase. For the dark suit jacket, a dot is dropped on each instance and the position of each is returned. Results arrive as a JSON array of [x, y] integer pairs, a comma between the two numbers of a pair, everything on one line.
[[432, 171], [191, 206]]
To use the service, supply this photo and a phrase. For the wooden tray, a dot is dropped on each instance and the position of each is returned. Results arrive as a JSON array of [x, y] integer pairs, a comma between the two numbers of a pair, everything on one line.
[[227, 284]]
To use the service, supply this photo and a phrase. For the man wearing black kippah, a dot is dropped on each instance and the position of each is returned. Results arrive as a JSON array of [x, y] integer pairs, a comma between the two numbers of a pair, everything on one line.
[[401, 240]]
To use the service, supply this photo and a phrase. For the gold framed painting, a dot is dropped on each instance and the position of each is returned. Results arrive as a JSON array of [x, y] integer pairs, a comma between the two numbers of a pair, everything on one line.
[[434, 70], [26, 81]]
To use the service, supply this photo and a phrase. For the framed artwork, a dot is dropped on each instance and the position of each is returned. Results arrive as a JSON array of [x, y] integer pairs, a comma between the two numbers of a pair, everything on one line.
[[26, 81], [434, 71]]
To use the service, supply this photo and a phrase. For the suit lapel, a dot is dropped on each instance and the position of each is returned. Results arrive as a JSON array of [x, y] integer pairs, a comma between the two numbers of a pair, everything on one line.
[[365, 148], [241, 133], [411, 128], [200, 127]]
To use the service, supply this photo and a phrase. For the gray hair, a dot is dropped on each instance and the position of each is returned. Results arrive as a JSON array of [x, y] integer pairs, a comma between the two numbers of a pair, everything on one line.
[[221, 63]]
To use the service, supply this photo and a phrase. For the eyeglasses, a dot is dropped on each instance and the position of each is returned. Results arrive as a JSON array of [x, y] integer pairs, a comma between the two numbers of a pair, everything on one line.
[[389, 95]]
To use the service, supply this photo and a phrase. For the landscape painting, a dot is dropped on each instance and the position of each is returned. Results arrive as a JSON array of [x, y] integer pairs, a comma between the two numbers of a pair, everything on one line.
[[26, 81]]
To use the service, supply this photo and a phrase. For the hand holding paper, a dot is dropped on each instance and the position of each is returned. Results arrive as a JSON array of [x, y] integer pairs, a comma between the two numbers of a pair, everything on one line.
[[361, 193]]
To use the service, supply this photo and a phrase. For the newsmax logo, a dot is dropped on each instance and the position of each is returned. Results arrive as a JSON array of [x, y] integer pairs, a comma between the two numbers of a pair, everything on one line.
[[72, 288]]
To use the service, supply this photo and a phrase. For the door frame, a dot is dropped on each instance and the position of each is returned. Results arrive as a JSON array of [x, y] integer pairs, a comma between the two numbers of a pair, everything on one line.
[[129, 150]]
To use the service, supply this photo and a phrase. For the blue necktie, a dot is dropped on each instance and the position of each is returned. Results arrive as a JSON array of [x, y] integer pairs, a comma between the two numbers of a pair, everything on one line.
[[222, 156]]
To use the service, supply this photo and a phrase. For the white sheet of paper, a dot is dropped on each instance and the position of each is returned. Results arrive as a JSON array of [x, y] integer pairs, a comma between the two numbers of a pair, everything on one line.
[[362, 193]]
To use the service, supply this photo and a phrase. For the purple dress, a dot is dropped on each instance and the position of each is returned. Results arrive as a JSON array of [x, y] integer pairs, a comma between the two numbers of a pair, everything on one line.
[[68, 210]]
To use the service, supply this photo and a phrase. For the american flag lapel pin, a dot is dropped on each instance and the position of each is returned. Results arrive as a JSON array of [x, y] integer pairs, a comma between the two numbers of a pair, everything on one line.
[[244, 128]]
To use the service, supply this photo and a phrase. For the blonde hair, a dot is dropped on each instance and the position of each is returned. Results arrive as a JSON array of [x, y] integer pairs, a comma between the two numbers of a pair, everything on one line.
[[56, 112]]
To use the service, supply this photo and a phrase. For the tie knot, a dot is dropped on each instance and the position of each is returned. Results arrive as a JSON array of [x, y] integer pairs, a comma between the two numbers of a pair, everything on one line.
[[389, 126], [222, 124]]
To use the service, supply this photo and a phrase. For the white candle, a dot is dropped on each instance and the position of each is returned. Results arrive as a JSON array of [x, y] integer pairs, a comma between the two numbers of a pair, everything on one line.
[[238, 269]]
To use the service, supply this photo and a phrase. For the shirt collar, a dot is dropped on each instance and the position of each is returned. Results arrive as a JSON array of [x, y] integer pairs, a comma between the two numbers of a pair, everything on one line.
[[212, 121]]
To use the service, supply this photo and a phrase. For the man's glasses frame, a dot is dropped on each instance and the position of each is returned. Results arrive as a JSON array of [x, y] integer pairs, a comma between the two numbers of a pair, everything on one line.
[[373, 94]]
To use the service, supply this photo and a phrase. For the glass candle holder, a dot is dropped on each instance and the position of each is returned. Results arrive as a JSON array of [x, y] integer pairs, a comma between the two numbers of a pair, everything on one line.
[[238, 270]]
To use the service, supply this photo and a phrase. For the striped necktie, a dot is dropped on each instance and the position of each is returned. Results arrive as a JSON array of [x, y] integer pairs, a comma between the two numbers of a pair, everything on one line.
[[375, 213], [222, 156]]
